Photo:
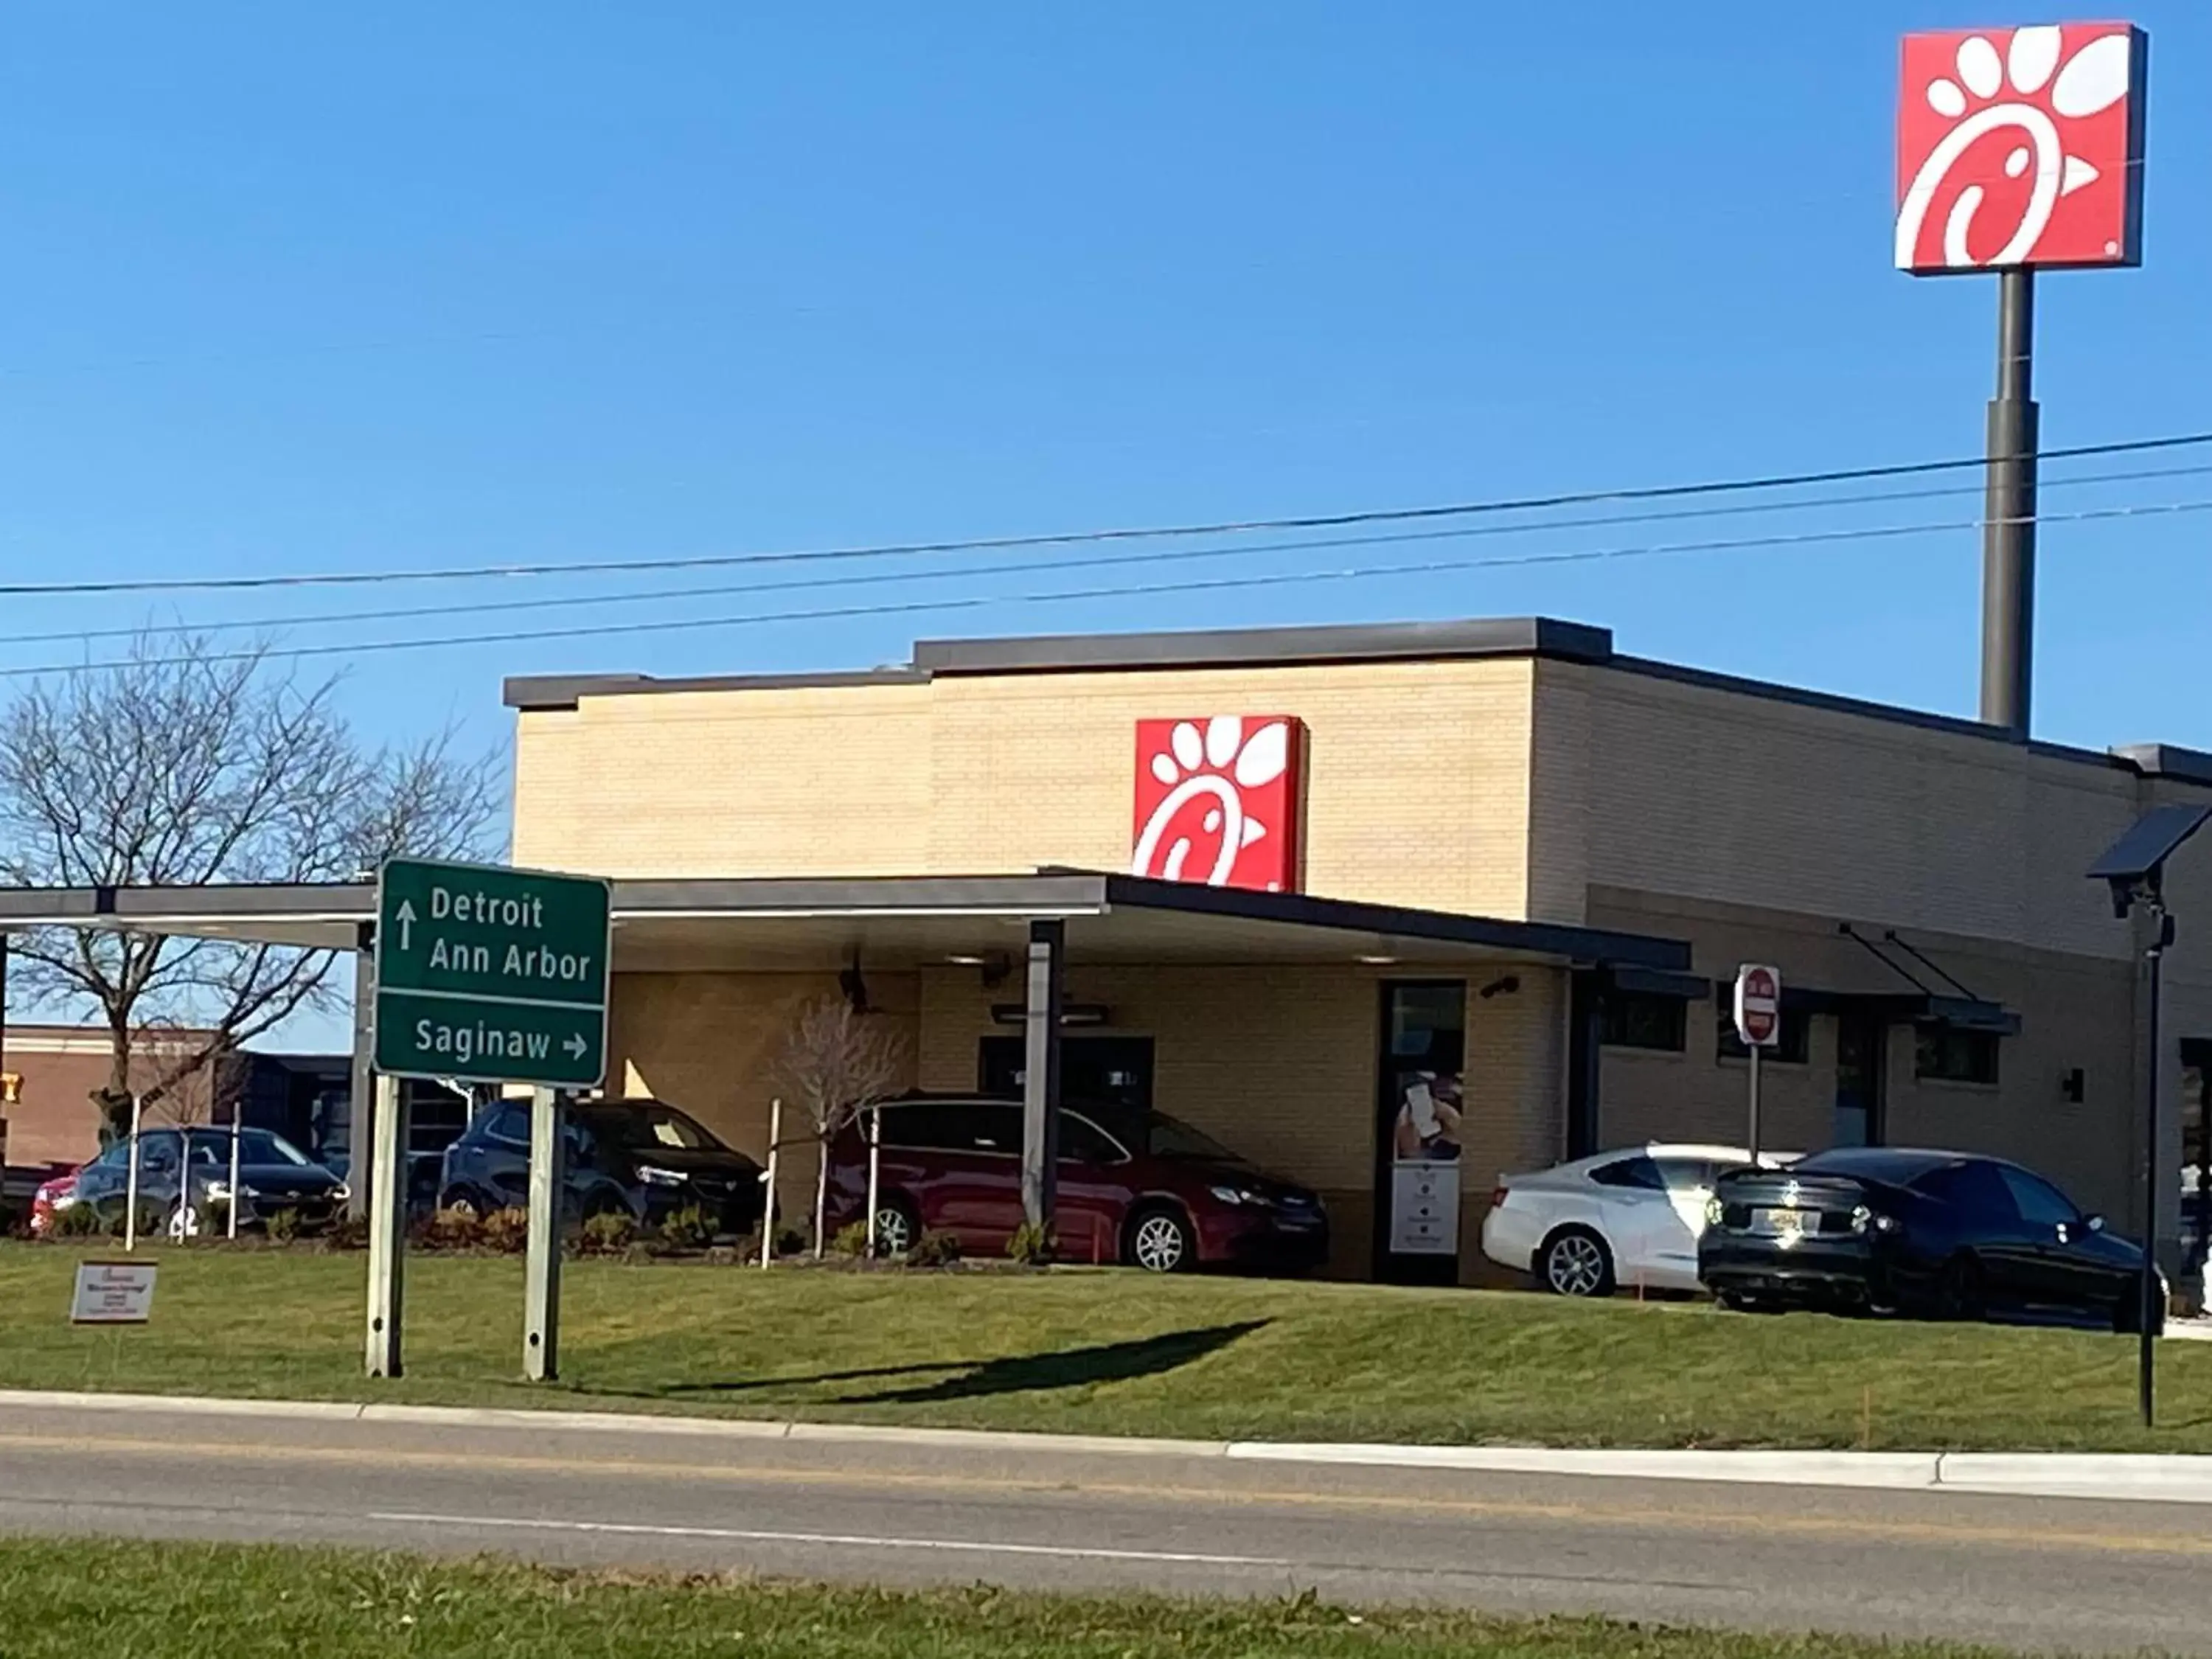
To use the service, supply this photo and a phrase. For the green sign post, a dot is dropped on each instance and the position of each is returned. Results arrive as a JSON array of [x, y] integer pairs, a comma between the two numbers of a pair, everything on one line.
[[488, 975]]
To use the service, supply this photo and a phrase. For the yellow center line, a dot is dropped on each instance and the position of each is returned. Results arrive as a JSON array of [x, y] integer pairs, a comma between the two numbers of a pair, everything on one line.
[[1621, 1515]]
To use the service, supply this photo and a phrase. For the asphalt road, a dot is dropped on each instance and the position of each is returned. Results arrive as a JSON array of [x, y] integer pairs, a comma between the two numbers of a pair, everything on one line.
[[2026, 1573]]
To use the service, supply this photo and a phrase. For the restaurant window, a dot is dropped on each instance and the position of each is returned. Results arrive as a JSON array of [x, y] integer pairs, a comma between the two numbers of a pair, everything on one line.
[[1954, 1054], [1794, 1047], [1643, 1019]]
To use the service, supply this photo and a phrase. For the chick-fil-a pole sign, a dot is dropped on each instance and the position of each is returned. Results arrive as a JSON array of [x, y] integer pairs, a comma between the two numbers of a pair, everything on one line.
[[2021, 149]]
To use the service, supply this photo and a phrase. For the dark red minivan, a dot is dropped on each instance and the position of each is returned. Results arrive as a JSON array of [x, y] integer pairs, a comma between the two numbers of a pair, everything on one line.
[[1134, 1187]]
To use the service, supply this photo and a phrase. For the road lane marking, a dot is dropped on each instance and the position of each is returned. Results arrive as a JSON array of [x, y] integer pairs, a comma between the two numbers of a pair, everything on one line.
[[1611, 1514], [853, 1539]]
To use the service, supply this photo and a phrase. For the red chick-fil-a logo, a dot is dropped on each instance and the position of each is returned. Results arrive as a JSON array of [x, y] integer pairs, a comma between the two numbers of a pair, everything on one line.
[[1217, 801], [2021, 149]]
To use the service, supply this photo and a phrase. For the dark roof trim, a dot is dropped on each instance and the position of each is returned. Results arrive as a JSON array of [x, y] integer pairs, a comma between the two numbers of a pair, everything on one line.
[[1590, 944], [2165, 760], [333, 911], [538, 693], [1252, 647]]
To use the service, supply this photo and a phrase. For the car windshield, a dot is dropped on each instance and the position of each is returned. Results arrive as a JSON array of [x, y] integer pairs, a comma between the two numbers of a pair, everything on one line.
[[256, 1146], [643, 1128]]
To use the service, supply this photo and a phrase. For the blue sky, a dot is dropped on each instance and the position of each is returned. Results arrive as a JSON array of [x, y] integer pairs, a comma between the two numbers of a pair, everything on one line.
[[320, 288]]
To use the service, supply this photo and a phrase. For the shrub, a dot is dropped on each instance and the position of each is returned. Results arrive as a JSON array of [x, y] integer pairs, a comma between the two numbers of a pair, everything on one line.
[[507, 1232], [282, 1227], [451, 1230], [851, 1240], [608, 1233], [348, 1232], [77, 1221], [1031, 1244], [934, 1250], [686, 1228], [215, 1218]]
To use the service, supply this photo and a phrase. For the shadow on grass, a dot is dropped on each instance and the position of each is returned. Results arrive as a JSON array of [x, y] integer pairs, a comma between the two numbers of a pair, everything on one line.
[[1107, 1362]]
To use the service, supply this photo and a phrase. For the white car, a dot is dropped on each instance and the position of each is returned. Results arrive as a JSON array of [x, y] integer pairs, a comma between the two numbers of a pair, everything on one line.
[[1626, 1219]]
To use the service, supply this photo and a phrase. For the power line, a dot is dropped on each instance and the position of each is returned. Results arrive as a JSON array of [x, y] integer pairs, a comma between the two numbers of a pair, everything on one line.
[[1155, 533], [968, 602], [1177, 555]]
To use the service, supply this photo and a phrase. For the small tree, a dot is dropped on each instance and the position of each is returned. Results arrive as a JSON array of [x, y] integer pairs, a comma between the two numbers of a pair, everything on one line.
[[837, 1062], [188, 763]]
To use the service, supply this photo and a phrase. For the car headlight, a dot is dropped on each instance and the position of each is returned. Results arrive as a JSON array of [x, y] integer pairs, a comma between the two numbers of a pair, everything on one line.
[[1243, 1195], [653, 1175], [1715, 1212], [342, 1194]]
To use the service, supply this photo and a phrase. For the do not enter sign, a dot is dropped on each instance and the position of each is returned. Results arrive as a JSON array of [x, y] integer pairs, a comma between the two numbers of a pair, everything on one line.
[[1758, 1006]]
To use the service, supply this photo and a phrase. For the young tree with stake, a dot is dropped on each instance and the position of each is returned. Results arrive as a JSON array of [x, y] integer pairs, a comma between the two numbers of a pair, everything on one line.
[[836, 1063]]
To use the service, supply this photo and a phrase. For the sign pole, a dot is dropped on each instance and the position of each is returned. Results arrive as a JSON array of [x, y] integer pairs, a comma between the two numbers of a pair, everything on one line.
[[230, 1229], [2162, 935], [875, 1172], [131, 1184], [541, 1338], [387, 1225], [1754, 1142], [768, 1179]]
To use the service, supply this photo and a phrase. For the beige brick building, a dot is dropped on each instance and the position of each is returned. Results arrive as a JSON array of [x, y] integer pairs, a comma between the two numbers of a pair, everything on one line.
[[1953, 978]]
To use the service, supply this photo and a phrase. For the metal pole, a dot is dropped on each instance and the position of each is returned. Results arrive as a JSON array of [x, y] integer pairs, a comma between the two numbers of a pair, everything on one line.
[[1041, 1074], [359, 1138], [768, 1181], [2146, 1338], [130, 1180], [230, 1229], [2008, 515], [1754, 1102], [387, 1225], [541, 1338], [875, 1167]]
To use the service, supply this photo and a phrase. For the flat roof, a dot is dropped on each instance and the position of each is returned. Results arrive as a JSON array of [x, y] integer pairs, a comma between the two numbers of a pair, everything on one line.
[[896, 920], [1447, 639]]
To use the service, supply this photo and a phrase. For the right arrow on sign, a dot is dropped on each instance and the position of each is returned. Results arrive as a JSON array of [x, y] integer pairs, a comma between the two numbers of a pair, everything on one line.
[[575, 1046]]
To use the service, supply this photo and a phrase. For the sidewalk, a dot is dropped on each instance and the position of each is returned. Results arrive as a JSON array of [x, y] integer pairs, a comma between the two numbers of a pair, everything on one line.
[[2129, 1477]]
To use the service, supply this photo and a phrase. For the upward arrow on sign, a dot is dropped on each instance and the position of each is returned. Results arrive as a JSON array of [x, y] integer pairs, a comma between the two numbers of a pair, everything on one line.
[[404, 916]]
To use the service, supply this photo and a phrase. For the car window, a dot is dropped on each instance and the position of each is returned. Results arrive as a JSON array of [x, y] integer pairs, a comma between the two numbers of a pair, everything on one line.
[[2041, 1204], [1640, 1173], [1974, 1187], [1086, 1142], [644, 1127], [997, 1129], [931, 1125], [1687, 1175], [158, 1151], [510, 1123]]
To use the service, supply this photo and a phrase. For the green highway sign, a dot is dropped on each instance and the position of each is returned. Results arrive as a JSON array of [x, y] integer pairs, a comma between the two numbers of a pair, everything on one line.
[[488, 975]]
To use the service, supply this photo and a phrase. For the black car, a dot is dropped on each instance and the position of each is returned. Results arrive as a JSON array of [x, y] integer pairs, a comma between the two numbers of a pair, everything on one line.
[[635, 1157], [1943, 1234], [184, 1173]]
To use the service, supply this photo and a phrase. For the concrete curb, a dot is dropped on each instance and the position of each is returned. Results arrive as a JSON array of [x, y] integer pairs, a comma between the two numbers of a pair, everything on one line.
[[2169, 1479]]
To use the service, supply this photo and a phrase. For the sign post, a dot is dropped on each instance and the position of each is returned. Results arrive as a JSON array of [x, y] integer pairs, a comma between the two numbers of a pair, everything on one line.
[[1759, 1025], [487, 974]]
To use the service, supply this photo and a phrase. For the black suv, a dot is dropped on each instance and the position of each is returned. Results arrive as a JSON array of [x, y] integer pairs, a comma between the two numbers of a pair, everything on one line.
[[638, 1158]]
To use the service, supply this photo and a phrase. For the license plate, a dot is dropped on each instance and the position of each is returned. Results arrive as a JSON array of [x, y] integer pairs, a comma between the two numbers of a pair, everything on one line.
[[1785, 1224]]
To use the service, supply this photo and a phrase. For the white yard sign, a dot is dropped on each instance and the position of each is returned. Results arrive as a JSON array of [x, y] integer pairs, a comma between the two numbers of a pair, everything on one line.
[[112, 1293]]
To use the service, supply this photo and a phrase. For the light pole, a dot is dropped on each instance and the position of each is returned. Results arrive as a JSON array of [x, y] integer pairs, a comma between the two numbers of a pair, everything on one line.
[[2133, 867]]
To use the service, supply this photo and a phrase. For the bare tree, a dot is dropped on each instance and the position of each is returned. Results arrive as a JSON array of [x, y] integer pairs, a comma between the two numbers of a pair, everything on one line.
[[188, 763], [837, 1062]]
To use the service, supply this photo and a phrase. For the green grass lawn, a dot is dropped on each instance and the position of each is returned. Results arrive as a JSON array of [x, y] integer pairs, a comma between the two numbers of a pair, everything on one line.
[[187, 1600], [1110, 1352]]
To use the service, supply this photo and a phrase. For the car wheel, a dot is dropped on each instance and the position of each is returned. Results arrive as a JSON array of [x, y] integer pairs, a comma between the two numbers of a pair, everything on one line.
[[1576, 1262], [897, 1226], [1160, 1241], [1960, 1295]]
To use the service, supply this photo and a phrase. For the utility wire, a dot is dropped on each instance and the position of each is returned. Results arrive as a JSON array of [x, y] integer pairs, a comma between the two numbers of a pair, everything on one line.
[[969, 602], [1156, 532], [1177, 555]]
